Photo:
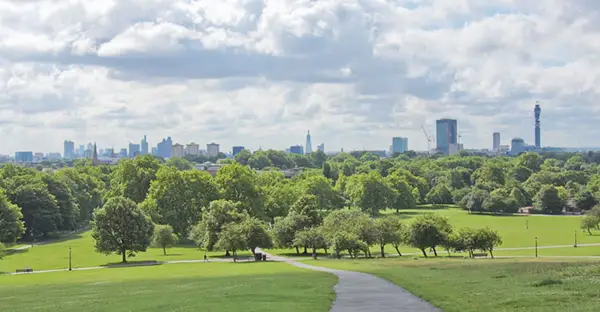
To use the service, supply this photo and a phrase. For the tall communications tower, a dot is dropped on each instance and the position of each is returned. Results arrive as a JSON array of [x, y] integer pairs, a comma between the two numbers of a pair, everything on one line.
[[537, 111], [308, 148]]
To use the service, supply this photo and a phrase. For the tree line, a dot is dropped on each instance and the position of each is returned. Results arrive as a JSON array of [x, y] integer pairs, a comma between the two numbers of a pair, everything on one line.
[[251, 190]]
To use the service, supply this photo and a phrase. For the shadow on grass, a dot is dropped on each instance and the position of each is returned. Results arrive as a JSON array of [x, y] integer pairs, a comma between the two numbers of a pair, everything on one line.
[[301, 255], [42, 241], [9, 252]]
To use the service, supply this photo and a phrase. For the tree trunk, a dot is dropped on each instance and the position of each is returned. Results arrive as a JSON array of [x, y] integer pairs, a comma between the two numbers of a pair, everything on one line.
[[424, 253], [297, 250], [351, 253], [470, 253], [448, 250], [124, 252], [164, 250], [491, 254], [326, 253], [314, 253], [382, 251], [253, 249], [305, 251], [227, 254], [590, 232], [398, 251], [369, 252], [234, 256], [366, 254], [434, 251]]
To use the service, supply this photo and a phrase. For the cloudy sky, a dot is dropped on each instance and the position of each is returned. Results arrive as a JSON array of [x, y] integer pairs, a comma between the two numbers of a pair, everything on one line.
[[262, 72]]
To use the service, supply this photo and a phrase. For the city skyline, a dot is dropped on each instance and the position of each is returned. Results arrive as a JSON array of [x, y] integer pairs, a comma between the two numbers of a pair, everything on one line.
[[252, 74]]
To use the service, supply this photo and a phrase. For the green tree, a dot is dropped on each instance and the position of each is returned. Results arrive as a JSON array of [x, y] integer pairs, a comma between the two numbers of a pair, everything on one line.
[[531, 161], [285, 229], [218, 214], [163, 237], [69, 209], [405, 198], [548, 200], [41, 213], [370, 192], [475, 200], [132, 178], [388, 231], [255, 234], [177, 198], [318, 159], [243, 156], [518, 196], [487, 239], [585, 200], [238, 184], [311, 238], [259, 161], [428, 231], [11, 226], [232, 238], [179, 163], [121, 227]]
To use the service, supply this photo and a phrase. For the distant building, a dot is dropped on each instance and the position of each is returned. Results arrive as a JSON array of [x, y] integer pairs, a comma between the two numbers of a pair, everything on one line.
[[321, 147], [537, 111], [108, 152], [308, 143], [517, 146], [446, 135], [496, 143], [165, 148], [297, 149], [69, 150], [144, 146], [212, 149], [54, 156], [134, 150], [81, 150], [123, 153], [399, 145], [24, 157], [237, 149], [192, 149], [178, 151]]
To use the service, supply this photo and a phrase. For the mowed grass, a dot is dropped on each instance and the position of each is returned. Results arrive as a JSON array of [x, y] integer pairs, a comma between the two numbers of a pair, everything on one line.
[[516, 231], [56, 255], [261, 286], [489, 285]]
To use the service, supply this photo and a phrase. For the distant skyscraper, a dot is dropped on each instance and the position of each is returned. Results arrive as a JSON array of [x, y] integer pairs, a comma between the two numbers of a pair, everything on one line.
[[308, 143], [496, 143], [69, 150], [297, 149], [212, 149], [321, 147], [95, 160], [446, 135], [134, 150], [144, 145], [192, 149], [538, 136], [178, 150], [81, 150], [165, 148], [237, 149], [399, 145], [123, 153], [24, 156]]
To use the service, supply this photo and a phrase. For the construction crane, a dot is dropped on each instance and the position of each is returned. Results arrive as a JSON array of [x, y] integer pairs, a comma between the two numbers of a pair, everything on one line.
[[429, 139]]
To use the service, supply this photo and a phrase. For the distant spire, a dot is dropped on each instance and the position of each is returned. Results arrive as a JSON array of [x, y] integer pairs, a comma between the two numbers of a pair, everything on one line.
[[95, 156]]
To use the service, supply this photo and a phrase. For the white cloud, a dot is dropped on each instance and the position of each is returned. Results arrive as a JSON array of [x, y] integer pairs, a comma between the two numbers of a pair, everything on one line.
[[260, 72]]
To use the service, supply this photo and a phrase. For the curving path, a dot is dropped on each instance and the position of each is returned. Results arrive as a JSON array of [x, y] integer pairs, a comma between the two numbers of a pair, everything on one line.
[[365, 292]]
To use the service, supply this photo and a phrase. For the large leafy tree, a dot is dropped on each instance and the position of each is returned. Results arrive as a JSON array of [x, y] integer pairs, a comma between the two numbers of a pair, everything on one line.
[[11, 226], [370, 192], [132, 177], [218, 214], [69, 209], [121, 227], [238, 184], [549, 201], [177, 198]]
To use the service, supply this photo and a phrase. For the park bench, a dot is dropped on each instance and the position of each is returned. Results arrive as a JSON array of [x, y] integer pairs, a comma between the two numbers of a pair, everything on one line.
[[481, 254], [26, 270]]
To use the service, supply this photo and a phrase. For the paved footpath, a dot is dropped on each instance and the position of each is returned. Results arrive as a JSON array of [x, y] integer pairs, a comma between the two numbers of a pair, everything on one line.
[[365, 292]]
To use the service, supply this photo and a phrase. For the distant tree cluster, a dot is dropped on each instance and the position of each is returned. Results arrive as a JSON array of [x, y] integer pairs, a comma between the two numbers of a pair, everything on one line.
[[250, 203]]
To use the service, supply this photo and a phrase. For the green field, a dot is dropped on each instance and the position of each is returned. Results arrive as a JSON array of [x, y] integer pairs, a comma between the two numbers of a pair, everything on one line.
[[516, 231], [260, 287], [489, 285], [56, 255]]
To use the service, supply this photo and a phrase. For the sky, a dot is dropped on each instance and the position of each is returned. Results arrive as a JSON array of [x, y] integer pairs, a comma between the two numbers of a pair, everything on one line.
[[262, 72]]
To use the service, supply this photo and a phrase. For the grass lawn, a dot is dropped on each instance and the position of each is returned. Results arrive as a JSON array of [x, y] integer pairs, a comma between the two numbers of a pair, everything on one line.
[[516, 231], [56, 255], [489, 285], [178, 287]]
